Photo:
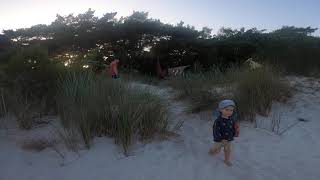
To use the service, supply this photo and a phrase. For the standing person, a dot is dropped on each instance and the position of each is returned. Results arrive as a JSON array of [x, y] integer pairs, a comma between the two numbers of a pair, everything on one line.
[[161, 73], [224, 130], [114, 69]]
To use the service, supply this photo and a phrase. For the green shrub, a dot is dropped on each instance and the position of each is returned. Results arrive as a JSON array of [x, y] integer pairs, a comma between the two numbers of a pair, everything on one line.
[[30, 78], [203, 100], [198, 88], [96, 106], [23, 109], [255, 90], [297, 56]]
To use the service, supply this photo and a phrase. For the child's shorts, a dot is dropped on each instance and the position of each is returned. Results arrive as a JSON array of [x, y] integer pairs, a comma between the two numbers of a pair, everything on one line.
[[226, 145]]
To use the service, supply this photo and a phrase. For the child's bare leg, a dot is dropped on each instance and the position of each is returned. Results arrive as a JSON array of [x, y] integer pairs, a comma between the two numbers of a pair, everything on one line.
[[227, 158], [227, 154], [215, 149]]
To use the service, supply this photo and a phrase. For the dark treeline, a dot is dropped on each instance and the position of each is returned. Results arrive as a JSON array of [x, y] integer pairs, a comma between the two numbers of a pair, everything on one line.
[[140, 41]]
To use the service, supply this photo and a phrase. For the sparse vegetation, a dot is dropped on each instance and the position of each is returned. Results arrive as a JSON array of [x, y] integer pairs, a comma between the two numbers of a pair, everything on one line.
[[96, 106], [38, 145], [29, 84], [37, 72], [254, 90], [196, 91], [69, 137], [198, 88], [3, 104]]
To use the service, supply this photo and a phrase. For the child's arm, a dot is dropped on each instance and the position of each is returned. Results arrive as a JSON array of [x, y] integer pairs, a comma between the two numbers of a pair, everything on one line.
[[236, 125], [217, 131], [236, 128]]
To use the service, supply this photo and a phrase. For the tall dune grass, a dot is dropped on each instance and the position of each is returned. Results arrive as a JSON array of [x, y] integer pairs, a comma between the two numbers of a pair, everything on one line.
[[3, 104], [253, 90], [96, 106], [200, 88]]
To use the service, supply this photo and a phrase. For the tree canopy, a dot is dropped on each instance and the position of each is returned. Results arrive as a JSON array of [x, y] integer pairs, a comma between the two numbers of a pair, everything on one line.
[[140, 41]]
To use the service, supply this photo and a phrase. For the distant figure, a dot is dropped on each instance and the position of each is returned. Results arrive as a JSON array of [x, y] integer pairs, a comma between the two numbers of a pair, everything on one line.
[[224, 130], [113, 69], [161, 73]]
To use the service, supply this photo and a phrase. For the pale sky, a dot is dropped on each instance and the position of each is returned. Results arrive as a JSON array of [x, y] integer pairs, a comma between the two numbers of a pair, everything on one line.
[[263, 14]]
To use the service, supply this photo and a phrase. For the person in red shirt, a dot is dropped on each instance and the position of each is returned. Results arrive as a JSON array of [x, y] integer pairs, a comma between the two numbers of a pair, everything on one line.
[[161, 73], [113, 69]]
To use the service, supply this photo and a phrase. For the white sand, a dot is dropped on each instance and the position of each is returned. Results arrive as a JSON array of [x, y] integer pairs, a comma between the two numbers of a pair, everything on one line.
[[257, 153]]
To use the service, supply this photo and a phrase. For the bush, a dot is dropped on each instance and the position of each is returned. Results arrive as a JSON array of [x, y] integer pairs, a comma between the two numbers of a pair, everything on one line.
[[298, 54], [203, 100], [199, 89], [32, 73], [255, 90], [29, 79], [96, 106], [23, 107], [196, 91]]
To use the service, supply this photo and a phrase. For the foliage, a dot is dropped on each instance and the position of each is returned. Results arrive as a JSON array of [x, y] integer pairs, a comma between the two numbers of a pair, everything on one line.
[[253, 90], [198, 88], [140, 41], [29, 83], [96, 106], [256, 90]]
